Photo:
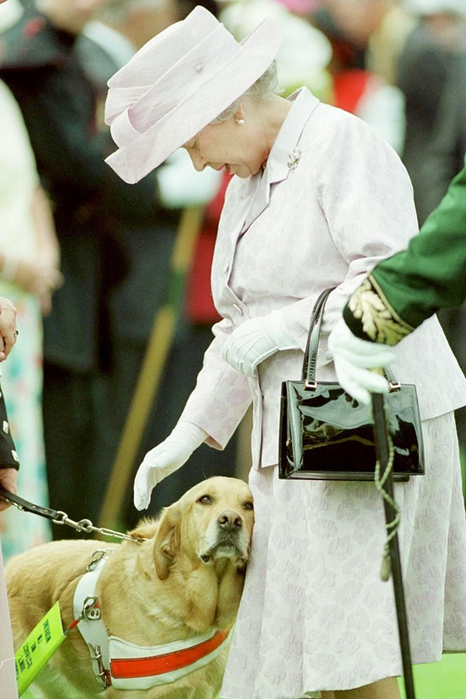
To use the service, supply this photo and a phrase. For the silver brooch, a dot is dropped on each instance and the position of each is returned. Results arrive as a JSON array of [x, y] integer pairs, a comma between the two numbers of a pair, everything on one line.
[[294, 158]]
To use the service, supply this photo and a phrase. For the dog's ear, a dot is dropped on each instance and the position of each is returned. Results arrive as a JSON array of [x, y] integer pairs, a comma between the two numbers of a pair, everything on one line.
[[167, 540]]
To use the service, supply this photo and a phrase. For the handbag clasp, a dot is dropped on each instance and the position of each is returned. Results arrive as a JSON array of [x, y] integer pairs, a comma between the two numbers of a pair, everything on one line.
[[310, 385]]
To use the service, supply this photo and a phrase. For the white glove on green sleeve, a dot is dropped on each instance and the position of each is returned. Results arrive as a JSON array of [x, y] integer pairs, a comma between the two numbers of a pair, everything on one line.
[[164, 459], [255, 340], [353, 360]]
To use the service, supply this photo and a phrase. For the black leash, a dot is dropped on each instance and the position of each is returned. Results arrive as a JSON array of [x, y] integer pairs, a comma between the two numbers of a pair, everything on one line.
[[59, 517], [381, 439], [22, 504]]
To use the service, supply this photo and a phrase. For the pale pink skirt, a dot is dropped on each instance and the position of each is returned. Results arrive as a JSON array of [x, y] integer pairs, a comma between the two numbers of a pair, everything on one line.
[[315, 614]]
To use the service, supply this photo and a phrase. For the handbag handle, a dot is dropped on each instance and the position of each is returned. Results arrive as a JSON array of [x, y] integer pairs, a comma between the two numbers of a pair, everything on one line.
[[312, 346]]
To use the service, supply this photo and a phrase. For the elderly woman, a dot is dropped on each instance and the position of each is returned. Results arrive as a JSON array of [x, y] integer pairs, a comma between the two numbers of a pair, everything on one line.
[[318, 198]]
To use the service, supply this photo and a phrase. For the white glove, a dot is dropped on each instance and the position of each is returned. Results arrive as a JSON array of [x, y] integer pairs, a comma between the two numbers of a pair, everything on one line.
[[255, 340], [164, 459], [353, 360]]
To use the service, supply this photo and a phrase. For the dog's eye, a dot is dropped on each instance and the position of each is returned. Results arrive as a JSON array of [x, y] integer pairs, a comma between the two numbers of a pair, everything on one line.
[[248, 506], [205, 500]]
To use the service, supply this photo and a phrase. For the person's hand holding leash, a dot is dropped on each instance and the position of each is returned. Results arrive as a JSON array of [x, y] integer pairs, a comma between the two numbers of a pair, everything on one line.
[[164, 459], [255, 340], [8, 332], [8, 481]]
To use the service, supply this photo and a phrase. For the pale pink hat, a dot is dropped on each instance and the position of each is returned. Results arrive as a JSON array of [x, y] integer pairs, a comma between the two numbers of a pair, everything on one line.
[[178, 83]]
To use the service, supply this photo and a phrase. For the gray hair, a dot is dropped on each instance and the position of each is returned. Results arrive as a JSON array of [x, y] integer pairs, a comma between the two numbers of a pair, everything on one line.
[[264, 87]]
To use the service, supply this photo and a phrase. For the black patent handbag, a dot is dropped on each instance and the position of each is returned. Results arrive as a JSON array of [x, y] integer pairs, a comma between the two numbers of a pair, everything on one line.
[[325, 434]]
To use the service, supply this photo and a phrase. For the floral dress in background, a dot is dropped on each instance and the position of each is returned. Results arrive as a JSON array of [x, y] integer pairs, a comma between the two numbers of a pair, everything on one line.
[[21, 379]]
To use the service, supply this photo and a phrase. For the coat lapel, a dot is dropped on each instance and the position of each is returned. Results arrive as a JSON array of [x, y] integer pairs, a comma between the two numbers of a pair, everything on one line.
[[252, 196]]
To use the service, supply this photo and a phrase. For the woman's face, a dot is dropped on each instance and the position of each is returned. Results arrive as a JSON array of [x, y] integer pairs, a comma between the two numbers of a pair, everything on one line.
[[230, 146]]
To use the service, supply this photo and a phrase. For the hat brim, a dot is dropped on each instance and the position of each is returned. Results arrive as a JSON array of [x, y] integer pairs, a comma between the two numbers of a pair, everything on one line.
[[181, 124]]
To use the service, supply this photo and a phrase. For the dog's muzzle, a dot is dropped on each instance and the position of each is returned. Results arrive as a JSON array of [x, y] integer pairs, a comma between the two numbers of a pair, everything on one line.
[[228, 539]]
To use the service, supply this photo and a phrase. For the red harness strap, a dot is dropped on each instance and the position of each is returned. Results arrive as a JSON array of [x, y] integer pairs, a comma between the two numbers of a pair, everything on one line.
[[126, 668]]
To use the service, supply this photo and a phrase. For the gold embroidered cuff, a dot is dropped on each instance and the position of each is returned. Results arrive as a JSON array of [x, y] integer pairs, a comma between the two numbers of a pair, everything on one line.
[[370, 316]]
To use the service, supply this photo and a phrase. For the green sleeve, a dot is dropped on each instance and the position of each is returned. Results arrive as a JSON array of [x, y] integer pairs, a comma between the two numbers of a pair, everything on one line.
[[405, 289]]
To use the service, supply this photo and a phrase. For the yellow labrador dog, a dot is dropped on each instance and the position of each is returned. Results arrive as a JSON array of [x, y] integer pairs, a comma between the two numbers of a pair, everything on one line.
[[156, 614]]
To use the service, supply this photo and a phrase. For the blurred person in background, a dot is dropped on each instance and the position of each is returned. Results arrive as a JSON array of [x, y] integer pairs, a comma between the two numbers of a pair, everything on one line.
[[9, 465], [379, 27], [368, 37], [116, 31], [29, 274], [357, 89], [39, 63], [305, 52], [428, 65]]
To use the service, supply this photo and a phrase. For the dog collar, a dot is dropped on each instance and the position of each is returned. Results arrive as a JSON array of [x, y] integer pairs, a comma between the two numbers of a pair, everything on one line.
[[126, 666]]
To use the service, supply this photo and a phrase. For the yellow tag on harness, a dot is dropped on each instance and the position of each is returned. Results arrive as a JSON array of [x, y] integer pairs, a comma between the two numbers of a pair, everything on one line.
[[39, 647]]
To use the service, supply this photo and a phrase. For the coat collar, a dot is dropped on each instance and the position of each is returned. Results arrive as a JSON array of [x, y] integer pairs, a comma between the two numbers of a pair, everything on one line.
[[284, 156], [278, 163]]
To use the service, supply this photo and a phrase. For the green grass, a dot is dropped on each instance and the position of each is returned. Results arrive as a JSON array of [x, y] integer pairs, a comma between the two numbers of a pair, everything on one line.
[[443, 680]]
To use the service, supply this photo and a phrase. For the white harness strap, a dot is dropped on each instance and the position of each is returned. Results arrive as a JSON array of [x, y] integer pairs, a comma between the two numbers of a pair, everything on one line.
[[127, 666], [91, 625]]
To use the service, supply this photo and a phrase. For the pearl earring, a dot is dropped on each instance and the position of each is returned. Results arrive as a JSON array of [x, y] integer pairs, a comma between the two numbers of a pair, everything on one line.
[[240, 122]]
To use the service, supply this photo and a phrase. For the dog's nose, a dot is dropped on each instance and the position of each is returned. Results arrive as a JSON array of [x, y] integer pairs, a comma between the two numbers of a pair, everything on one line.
[[230, 520]]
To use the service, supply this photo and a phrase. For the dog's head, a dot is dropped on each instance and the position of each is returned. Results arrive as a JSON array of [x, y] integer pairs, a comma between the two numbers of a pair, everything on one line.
[[212, 520]]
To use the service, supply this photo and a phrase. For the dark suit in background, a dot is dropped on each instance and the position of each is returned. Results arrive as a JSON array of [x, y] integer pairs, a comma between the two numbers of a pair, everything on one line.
[[423, 70], [91, 204]]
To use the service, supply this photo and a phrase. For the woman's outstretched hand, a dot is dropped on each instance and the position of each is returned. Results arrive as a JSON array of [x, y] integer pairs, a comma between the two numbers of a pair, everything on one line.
[[164, 459]]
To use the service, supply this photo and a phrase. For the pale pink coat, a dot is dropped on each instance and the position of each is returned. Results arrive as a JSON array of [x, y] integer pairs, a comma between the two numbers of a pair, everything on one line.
[[333, 200]]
